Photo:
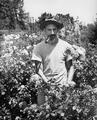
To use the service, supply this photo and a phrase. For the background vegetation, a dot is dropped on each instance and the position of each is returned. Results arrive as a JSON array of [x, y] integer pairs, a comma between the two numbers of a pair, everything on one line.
[[18, 97]]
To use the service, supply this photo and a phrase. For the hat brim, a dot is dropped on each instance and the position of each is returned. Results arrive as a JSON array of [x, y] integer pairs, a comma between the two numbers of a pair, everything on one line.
[[47, 22]]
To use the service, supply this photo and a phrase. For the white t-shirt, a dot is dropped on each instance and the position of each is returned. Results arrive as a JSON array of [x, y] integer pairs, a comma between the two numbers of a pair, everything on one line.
[[52, 58]]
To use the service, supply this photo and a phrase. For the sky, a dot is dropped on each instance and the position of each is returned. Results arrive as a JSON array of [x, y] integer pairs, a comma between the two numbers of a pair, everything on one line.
[[86, 10]]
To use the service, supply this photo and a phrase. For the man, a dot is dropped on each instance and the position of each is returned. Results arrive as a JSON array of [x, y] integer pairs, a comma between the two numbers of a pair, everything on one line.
[[53, 57]]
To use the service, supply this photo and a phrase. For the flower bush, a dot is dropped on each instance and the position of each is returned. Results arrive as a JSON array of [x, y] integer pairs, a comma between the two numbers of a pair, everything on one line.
[[18, 97]]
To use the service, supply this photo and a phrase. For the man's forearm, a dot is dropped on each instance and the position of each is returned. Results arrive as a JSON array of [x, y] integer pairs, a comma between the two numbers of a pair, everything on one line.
[[41, 74], [39, 71], [70, 74]]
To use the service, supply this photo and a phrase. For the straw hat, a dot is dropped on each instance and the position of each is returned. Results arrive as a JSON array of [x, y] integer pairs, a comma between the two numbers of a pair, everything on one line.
[[46, 22]]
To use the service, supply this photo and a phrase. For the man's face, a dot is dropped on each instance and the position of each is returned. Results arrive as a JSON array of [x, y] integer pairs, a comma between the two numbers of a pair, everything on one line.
[[51, 32]]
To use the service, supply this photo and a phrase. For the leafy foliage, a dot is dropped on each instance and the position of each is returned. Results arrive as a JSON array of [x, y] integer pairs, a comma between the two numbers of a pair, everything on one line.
[[11, 14], [89, 33], [92, 33], [18, 97]]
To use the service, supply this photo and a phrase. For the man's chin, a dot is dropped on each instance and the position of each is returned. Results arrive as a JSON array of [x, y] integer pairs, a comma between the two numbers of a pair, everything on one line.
[[52, 39], [49, 40]]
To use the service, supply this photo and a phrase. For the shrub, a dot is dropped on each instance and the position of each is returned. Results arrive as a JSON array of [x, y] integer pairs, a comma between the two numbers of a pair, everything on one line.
[[18, 97]]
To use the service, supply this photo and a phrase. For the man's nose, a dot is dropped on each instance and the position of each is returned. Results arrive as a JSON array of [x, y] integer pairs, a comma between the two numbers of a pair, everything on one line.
[[52, 32]]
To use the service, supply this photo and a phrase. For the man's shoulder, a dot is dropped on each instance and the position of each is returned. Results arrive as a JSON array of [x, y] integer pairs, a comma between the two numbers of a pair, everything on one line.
[[40, 44], [64, 42]]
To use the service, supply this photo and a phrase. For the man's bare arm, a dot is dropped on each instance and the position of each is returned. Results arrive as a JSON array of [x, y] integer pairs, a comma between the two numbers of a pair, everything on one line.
[[41, 74], [70, 72], [39, 71]]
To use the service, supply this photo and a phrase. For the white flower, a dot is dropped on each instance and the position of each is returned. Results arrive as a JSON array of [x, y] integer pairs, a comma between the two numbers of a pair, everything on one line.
[[25, 52], [29, 46], [62, 114], [95, 90], [34, 36], [16, 36], [80, 51], [21, 87]]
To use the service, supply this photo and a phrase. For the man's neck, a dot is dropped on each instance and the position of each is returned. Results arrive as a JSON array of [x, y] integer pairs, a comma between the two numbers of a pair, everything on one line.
[[53, 42]]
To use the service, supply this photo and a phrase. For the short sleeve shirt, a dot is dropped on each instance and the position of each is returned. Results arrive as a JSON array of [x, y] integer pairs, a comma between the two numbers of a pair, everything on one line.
[[52, 58]]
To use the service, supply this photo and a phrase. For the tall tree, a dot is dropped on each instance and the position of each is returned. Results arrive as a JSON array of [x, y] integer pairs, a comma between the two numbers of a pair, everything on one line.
[[11, 14], [92, 33]]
